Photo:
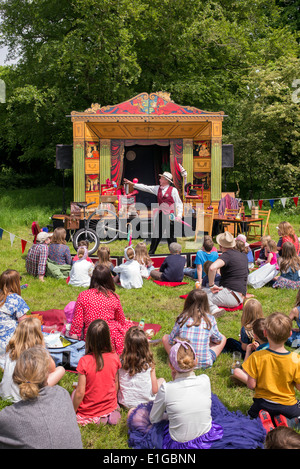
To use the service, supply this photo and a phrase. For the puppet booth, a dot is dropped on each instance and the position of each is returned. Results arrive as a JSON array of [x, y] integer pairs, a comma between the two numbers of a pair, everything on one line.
[[141, 138]]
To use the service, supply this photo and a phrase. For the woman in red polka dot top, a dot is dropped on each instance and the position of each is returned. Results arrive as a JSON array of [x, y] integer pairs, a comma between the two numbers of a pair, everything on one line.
[[100, 302]]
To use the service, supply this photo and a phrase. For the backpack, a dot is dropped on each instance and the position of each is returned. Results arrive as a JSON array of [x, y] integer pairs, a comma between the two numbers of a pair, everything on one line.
[[68, 356]]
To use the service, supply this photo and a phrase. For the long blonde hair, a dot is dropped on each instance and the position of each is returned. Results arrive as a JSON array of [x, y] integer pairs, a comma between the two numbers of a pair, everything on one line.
[[286, 229], [31, 371], [27, 335], [289, 258], [252, 310], [103, 254], [9, 283], [141, 254]]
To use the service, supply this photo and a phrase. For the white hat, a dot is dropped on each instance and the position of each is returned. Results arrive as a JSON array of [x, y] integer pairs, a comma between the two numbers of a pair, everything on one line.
[[42, 236], [242, 238], [226, 240], [167, 176]]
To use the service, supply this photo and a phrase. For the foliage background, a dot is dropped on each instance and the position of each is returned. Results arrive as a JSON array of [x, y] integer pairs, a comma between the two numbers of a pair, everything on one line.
[[238, 56]]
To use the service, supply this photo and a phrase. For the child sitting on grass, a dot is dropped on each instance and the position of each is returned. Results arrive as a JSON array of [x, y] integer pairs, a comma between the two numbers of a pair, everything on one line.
[[171, 269], [274, 373], [197, 325], [95, 398], [143, 258], [129, 273], [137, 378], [259, 343], [252, 310], [28, 334]]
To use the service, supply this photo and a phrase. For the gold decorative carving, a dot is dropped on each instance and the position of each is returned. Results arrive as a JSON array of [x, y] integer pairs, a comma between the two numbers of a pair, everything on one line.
[[94, 108]]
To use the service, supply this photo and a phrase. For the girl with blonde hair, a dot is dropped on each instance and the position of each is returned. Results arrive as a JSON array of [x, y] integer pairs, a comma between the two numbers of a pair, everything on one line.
[[44, 418], [252, 310], [289, 266], [287, 233], [12, 307], [28, 334], [143, 258], [82, 269], [129, 273]]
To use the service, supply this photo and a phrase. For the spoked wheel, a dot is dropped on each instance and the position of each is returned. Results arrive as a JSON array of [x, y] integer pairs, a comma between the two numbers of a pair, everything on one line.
[[86, 234], [105, 223]]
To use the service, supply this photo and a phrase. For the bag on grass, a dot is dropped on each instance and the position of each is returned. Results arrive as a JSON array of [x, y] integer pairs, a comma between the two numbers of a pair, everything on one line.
[[68, 356]]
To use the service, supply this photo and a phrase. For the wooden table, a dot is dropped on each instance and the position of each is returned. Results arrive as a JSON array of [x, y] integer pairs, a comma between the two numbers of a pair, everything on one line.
[[238, 221]]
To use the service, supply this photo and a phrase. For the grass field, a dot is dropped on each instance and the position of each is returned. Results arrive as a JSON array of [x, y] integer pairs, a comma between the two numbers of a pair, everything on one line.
[[19, 208]]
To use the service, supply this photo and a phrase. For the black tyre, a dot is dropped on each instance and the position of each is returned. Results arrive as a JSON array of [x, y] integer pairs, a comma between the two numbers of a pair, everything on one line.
[[105, 223], [86, 235]]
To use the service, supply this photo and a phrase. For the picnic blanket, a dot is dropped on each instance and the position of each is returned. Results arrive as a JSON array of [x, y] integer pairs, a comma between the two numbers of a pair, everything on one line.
[[169, 284]]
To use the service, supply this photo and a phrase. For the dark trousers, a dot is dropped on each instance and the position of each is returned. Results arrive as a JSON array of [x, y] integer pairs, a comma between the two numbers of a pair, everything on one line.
[[161, 223], [289, 411]]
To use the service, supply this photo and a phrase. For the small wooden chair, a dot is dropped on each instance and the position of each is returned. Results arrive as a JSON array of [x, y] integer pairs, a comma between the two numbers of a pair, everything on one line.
[[204, 221], [265, 214]]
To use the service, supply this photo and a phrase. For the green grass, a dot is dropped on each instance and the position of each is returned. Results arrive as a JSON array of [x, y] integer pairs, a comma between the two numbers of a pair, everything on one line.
[[19, 208]]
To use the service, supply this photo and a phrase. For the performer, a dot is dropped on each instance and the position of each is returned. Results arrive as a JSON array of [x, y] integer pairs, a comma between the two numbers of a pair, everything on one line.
[[169, 202]]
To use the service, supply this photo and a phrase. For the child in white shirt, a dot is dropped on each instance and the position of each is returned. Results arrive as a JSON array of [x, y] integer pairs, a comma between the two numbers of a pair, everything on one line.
[[129, 273]]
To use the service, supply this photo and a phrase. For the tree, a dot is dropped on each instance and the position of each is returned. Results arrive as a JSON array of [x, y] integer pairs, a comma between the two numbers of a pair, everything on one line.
[[75, 52], [266, 132]]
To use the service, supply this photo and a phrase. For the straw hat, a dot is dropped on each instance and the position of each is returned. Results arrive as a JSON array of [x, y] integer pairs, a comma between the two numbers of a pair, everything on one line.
[[167, 176], [226, 240]]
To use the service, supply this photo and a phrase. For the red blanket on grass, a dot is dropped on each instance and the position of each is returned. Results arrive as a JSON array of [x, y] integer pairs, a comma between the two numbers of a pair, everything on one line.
[[58, 317], [169, 284]]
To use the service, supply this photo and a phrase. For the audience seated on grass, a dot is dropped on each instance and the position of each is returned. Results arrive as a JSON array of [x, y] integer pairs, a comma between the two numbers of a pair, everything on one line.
[[207, 253], [82, 269], [172, 267], [12, 308], [289, 267], [198, 326], [59, 255], [129, 273], [28, 334], [252, 310], [274, 373], [233, 266], [45, 417], [259, 342], [100, 301], [37, 256], [138, 383], [185, 414], [95, 397]]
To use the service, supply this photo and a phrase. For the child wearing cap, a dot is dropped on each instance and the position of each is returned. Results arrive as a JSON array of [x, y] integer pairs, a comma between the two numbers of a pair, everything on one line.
[[36, 260]]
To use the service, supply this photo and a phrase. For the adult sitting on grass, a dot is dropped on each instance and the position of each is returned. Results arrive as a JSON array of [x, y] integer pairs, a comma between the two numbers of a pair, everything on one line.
[[207, 253], [171, 269], [233, 266], [59, 255], [45, 417], [100, 302], [12, 308], [36, 259]]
